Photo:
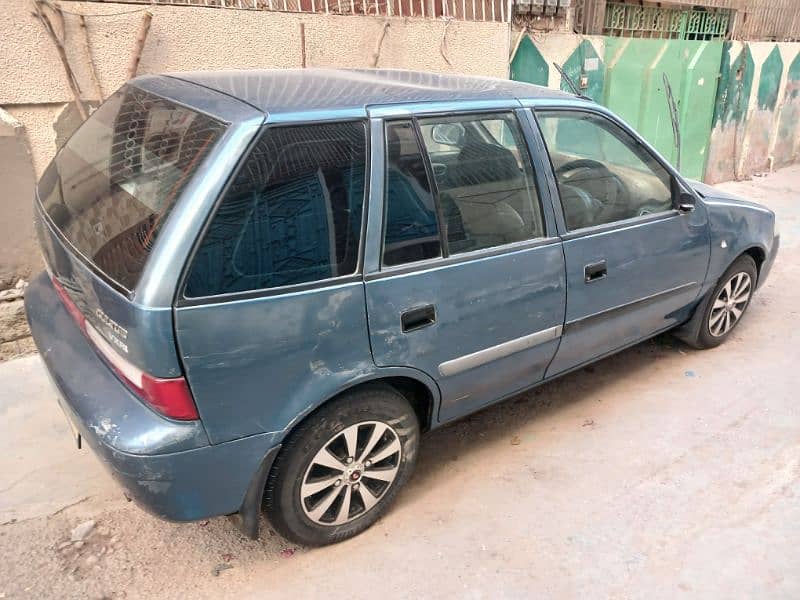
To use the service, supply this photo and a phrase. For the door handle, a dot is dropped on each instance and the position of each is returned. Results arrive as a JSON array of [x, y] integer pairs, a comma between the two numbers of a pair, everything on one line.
[[595, 271], [417, 318]]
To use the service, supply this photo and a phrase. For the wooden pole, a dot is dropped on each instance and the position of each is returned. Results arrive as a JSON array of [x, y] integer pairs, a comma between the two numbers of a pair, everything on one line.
[[141, 38], [62, 54]]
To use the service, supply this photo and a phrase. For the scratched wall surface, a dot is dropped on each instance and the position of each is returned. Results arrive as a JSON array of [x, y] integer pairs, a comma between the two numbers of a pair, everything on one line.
[[730, 111], [787, 142], [757, 110]]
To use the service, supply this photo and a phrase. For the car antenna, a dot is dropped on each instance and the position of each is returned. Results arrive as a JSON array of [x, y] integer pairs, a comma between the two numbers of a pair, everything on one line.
[[571, 83], [676, 125]]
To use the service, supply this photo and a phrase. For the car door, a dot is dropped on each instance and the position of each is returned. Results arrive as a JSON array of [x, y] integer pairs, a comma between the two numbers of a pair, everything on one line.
[[465, 280], [635, 263]]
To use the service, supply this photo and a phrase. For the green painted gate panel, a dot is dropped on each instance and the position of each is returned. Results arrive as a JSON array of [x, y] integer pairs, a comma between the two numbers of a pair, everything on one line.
[[770, 82], [730, 114], [735, 86], [584, 62], [634, 89], [529, 65]]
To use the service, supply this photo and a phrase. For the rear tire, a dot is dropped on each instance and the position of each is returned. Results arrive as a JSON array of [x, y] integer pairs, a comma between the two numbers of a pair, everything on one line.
[[343, 466], [723, 308]]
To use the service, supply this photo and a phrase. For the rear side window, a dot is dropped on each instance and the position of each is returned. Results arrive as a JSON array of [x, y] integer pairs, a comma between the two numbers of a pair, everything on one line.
[[111, 187], [411, 230], [292, 215]]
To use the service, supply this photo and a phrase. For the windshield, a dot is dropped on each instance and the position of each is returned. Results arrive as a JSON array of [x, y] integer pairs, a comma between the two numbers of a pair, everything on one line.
[[111, 187]]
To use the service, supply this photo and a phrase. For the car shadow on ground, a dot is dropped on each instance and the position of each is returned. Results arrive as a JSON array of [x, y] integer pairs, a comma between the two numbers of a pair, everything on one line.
[[469, 435]]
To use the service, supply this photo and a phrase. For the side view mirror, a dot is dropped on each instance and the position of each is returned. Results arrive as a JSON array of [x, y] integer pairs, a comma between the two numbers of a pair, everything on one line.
[[686, 202]]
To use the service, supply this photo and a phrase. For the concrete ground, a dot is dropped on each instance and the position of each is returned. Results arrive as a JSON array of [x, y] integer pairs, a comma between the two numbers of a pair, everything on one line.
[[656, 473]]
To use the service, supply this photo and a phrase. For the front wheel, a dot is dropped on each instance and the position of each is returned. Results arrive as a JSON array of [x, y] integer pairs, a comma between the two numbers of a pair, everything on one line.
[[342, 467], [724, 307]]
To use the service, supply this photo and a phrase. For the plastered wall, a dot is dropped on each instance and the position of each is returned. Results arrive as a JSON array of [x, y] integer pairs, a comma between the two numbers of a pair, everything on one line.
[[34, 90], [756, 119]]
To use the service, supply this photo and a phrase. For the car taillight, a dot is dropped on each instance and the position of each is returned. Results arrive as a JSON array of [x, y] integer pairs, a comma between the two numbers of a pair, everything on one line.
[[170, 396], [72, 309]]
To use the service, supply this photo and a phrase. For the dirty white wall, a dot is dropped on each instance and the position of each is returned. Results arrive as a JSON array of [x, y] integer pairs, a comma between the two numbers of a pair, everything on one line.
[[34, 87], [34, 91]]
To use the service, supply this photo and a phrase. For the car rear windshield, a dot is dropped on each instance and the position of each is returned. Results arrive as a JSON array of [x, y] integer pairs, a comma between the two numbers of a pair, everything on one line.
[[111, 187]]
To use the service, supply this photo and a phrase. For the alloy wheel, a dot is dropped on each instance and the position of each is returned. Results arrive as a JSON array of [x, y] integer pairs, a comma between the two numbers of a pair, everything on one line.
[[729, 304], [350, 473]]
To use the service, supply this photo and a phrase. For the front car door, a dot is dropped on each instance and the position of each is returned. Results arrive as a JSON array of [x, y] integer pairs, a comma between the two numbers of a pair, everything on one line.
[[464, 275], [635, 263]]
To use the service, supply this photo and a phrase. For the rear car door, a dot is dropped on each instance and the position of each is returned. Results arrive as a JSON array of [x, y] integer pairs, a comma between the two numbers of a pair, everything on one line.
[[464, 279], [635, 264]]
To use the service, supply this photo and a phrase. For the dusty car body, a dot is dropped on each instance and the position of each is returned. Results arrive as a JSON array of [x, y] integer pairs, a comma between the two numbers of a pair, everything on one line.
[[460, 241]]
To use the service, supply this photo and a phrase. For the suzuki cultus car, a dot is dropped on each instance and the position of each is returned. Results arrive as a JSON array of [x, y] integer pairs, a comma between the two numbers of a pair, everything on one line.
[[262, 286]]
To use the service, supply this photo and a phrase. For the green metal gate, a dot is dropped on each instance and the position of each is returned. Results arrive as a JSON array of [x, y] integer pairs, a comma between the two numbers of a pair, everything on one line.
[[634, 89]]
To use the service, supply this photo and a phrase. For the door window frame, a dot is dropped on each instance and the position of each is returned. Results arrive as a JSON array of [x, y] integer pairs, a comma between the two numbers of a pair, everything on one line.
[[373, 266], [677, 183]]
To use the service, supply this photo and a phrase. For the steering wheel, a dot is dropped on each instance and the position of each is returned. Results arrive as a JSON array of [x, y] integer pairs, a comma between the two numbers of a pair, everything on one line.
[[616, 193]]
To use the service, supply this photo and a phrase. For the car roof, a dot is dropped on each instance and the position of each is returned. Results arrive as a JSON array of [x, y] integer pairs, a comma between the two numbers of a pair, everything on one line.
[[284, 91]]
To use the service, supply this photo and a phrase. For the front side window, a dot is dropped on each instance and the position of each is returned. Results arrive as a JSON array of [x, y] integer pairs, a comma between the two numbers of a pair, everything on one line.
[[292, 215], [604, 175], [484, 180]]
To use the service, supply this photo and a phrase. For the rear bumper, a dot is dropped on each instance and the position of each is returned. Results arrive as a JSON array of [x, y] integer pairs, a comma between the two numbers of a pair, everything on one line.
[[167, 466]]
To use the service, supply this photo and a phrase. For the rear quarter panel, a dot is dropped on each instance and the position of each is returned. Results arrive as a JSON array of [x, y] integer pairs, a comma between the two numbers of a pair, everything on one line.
[[262, 364]]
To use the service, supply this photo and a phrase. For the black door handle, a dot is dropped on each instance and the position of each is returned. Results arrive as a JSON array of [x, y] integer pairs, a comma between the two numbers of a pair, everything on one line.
[[595, 271], [417, 318]]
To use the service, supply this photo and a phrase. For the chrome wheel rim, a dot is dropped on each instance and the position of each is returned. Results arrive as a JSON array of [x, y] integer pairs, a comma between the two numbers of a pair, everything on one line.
[[729, 304], [351, 473]]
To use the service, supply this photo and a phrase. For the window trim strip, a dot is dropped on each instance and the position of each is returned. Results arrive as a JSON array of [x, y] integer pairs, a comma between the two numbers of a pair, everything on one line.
[[431, 264]]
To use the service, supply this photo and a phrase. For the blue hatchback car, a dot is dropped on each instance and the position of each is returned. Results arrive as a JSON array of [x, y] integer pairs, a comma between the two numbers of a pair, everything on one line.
[[262, 286]]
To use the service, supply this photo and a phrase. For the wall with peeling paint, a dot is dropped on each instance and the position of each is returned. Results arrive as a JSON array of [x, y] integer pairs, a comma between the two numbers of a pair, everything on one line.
[[34, 92], [757, 112], [739, 102], [787, 137]]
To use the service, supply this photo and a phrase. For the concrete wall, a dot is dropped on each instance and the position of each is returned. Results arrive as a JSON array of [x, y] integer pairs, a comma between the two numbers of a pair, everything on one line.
[[34, 91], [757, 116], [16, 201]]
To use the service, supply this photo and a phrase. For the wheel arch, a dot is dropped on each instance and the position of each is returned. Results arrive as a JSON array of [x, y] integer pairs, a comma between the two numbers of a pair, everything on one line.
[[758, 254], [418, 388]]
